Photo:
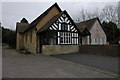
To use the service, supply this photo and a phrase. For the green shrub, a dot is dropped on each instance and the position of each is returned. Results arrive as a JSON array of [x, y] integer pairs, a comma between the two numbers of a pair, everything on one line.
[[24, 51], [27, 52]]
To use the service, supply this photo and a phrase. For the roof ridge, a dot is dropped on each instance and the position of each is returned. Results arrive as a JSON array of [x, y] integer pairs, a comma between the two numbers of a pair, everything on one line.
[[21, 23], [32, 24], [45, 27], [88, 23], [50, 22], [47, 10], [88, 20]]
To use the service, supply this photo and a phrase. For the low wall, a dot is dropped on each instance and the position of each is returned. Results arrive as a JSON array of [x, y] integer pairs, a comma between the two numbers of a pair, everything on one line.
[[106, 50], [59, 49]]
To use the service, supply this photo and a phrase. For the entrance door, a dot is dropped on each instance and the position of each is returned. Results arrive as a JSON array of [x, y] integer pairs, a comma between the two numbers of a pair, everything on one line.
[[51, 41]]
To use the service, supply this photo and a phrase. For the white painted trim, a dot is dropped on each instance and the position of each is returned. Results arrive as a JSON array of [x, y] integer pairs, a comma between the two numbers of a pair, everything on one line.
[[62, 18], [68, 27], [59, 26], [55, 25], [50, 28], [66, 19], [59, 20], [72, 27]]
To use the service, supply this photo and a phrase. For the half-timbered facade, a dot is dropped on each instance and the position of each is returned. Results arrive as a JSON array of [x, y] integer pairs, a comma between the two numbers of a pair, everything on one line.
[[60, 31], [53, 27]]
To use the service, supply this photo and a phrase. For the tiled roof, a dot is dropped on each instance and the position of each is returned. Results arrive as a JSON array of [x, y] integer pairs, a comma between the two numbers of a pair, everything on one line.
[[20, 27], [34, 23], [88, 24], [81, 27], [45, 27]]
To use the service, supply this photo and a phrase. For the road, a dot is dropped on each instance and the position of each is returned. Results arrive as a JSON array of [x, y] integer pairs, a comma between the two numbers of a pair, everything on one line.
[[38, 66], [101, 62], [0, 61]]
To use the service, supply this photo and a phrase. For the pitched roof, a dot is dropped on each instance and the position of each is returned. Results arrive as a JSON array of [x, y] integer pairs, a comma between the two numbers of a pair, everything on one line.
[[81, 27], [88, 24], [45, 27], [34, 23], [20, 27], [86, 32]]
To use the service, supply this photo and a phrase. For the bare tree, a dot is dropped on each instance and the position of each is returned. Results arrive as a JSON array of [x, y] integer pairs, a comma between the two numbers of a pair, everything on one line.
[[119, 12], [81, 16], [110, 13], [85, 15]]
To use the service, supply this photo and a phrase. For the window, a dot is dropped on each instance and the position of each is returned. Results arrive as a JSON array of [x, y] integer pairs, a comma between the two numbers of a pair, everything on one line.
[[103, 40], [98, 40], [64, 26], [77, 40], [65, 38], [72, 34], [95, 40], [74, 38], [68, 38], [61, 37]]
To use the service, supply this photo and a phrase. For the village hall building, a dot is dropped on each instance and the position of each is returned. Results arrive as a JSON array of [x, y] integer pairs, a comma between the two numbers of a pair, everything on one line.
[[95, 32], [52, 32]]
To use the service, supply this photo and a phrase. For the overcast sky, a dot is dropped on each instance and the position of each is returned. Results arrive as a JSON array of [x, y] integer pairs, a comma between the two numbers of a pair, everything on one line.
[[13, 12]]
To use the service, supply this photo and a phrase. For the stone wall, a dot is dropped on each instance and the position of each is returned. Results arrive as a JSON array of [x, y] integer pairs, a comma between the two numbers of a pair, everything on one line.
[[30, 43], [59, 49], [29, 40], [19, 41], [106, 50]]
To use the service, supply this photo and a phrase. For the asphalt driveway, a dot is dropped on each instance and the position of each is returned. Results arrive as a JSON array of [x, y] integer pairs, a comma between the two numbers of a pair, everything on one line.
[[0, 61], [38, 66], [102, 62]]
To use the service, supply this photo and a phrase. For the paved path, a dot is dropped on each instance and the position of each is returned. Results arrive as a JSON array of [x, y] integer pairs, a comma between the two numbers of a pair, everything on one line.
[[101, 62], [0, 61], [38, 66]]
